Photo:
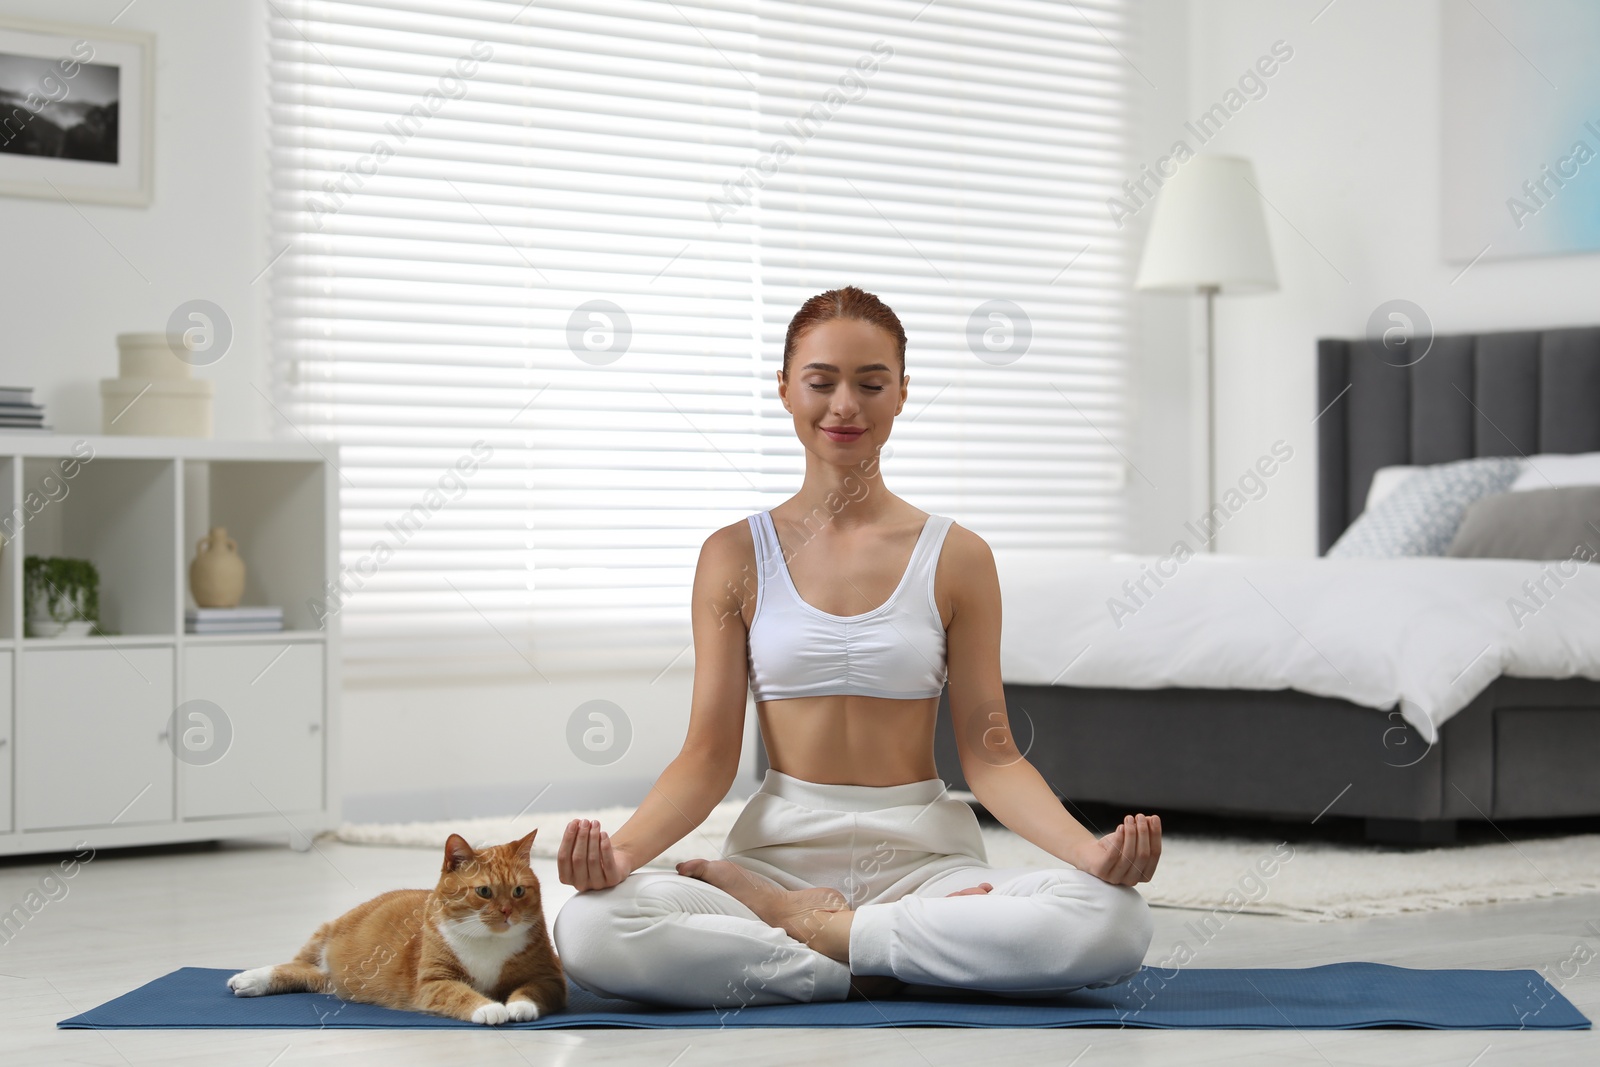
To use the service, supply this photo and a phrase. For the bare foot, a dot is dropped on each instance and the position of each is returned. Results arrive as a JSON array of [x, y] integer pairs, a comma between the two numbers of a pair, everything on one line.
[[800, 913]]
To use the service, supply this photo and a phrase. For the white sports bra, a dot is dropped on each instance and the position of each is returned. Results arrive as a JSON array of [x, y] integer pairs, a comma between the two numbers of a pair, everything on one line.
[[896, 650]]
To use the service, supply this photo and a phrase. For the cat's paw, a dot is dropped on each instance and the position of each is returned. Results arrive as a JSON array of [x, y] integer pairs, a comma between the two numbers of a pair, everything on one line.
[[522, 1011], [252, 983], [491, 1014]]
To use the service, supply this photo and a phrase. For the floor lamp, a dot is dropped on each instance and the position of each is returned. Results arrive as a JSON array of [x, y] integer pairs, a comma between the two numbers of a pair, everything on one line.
[[1208, 236]]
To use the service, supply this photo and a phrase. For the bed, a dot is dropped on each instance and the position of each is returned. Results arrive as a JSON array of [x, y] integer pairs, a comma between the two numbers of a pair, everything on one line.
[[1516, 734]]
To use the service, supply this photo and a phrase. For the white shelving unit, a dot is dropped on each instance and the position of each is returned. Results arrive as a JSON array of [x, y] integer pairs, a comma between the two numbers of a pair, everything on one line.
[[99, 739]]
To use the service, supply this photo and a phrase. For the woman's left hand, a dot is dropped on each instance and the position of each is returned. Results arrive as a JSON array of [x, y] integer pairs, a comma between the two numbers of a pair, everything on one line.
[[1127, 855]]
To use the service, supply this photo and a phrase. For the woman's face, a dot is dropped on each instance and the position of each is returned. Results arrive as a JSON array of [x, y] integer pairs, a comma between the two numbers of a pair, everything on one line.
[[844, 373]]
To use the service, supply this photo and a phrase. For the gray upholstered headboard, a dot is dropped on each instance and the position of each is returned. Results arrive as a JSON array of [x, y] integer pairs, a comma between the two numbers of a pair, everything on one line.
[[1515, 392]]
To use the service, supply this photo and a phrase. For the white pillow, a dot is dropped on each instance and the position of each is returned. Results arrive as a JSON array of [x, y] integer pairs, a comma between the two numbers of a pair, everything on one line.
[[1385, 480], [1550, 469], [1420, 518]]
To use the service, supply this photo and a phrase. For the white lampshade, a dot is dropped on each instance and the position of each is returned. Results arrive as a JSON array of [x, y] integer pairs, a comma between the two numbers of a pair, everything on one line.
[[1209, 229]]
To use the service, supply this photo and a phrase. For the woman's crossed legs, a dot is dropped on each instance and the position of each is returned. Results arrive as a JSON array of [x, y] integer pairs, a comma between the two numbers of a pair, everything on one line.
[[719, 935]]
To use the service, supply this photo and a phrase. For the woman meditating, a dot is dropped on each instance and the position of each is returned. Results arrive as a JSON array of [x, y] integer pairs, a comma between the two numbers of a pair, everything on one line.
[[849, 872]]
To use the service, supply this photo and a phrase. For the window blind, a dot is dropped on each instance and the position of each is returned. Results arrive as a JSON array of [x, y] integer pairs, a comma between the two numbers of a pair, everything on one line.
[[959, 183], [535, 261]]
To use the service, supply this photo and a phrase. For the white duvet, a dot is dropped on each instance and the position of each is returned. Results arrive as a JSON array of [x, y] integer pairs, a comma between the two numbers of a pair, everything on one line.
[[1427, 634]]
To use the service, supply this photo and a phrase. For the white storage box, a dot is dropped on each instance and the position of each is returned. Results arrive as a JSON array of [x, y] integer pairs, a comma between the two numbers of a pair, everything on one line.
[[151, 355], [160, 407]]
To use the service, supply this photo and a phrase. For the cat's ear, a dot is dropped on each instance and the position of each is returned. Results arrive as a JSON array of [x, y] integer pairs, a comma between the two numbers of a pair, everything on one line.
[[523, 850], [456, 852]]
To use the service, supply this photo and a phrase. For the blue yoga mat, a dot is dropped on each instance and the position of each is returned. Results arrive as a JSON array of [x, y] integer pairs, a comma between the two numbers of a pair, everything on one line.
[[1339, 996]]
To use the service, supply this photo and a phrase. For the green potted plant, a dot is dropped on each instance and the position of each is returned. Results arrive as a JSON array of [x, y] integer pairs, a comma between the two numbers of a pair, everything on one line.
[[62, 595]]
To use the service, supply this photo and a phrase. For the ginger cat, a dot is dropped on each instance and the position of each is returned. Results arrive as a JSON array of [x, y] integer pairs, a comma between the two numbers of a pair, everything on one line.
[[475, 947]]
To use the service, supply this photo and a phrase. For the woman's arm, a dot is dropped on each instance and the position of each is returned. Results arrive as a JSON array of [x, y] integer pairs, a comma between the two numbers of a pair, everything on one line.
[[699, 777], [1004, 782]]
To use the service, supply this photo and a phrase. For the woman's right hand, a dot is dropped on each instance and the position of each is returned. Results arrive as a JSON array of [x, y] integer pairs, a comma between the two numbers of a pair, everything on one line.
[[588, 860]]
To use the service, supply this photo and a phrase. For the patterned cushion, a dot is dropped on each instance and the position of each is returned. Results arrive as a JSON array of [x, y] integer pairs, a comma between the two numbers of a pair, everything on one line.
[[1421, 516]]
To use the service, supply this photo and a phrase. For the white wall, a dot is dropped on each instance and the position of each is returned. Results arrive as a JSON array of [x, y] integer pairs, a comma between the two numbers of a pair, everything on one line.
[[455, 751], [75, 276], [1346, 146], [1167, 484]]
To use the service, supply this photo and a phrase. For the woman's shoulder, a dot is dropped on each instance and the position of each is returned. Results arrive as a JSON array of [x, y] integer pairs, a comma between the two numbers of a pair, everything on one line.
[[734, 540], [965, 551], [725, 575]]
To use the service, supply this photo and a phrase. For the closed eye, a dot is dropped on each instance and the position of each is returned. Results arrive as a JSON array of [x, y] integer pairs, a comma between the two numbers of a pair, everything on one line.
[[819, 388]]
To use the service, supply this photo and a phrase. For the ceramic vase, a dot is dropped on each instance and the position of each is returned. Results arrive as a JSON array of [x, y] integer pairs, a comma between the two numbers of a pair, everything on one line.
[[216, 577]]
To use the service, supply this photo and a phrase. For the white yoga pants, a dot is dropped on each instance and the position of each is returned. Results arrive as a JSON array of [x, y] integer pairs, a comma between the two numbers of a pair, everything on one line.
[[895, 852]]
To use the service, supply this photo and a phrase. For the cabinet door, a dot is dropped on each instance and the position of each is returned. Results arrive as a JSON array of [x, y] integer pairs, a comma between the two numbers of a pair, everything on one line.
[[93, 724], [254, 713], [7, 748]]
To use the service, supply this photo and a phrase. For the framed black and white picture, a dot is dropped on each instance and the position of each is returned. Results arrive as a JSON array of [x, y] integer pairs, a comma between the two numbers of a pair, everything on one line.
[[75, 111]]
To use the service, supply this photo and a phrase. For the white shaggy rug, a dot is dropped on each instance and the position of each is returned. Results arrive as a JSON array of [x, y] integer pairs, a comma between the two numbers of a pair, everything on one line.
[[1315, 882]]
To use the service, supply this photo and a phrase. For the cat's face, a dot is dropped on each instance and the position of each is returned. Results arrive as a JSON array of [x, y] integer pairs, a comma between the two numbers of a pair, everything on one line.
[[491, 890]]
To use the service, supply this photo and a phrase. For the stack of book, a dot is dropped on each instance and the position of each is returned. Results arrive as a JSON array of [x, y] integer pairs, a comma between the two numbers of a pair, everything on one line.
[[17, 409], [232, 620]]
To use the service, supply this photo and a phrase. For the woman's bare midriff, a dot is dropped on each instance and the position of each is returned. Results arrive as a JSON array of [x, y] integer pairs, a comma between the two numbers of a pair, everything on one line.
[[850, 740]]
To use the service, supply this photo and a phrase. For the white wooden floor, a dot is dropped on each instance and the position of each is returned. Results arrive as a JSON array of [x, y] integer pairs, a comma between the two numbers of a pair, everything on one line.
[[131, 917]]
